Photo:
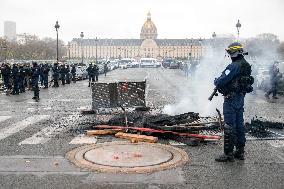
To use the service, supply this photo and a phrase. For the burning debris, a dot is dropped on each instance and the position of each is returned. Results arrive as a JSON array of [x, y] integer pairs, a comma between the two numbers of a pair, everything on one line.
[[261, 128]]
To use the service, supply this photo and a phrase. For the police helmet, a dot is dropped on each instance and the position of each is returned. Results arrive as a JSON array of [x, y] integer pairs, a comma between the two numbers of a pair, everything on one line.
[[34, 63], [235, 49]]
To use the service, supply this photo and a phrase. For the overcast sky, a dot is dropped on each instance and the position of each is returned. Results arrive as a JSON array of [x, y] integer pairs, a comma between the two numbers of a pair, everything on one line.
[[124, 18]]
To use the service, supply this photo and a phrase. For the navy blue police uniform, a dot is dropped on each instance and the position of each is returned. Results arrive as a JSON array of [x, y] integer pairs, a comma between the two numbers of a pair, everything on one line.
[[15, 75], [55, 75], [91, 74], [234, 82], [35, 79], [73, 72]]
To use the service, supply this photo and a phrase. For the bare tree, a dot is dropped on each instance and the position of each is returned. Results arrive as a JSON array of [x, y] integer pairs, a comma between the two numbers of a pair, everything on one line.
[[31, 47]]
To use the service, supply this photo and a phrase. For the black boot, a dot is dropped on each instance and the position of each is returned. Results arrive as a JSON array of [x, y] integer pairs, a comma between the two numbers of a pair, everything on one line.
[[229, 138], [225, 158], [240, 153]]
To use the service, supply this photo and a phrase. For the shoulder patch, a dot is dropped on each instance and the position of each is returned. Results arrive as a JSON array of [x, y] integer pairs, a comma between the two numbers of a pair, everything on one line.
[[227, 72]]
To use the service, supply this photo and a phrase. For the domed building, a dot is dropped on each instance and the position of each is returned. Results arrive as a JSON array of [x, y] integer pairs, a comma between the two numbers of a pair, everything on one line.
[[148, 30], [147, 46]]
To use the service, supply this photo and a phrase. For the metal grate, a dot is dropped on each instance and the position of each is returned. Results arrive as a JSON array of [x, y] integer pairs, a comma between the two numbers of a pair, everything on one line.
[[112, 95]]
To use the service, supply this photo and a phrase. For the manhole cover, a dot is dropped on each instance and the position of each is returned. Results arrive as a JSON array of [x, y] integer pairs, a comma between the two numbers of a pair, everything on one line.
[[127, 157]]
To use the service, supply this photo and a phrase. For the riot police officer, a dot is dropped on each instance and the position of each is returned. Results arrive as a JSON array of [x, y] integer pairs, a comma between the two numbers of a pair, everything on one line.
[[6, 73], [55, 75], [106, 68], [15, 75], [62, 73], [45, 71], [35, 78], [22, 74], [41, 76], [234, 82], [91, 74], [96, 72], [73, 72], [67, 72], [274, 79]]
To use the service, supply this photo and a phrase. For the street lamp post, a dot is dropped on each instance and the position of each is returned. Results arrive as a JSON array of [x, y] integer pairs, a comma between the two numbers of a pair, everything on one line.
[[238, 26], [96, 40], [69, 51], [200, 49], [56, 28], [82, 36]]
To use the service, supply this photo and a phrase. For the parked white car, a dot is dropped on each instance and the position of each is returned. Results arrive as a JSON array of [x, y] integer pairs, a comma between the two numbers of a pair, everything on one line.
[[149, 62]]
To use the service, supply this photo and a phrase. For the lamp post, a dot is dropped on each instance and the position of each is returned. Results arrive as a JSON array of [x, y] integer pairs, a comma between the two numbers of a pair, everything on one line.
[[238, 26], [200, 49], [82, 36], [96, 40], [57, 26], [69, 51]]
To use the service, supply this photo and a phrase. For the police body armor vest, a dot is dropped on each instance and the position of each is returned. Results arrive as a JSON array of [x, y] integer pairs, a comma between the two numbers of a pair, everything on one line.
[[242, 83]]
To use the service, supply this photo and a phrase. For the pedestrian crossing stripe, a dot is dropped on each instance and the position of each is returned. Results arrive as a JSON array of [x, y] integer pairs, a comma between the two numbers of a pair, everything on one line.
[[16, 127], [48, 132], [4, 118]]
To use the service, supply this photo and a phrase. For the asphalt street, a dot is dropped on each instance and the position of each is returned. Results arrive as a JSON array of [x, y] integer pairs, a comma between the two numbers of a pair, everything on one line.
[[35, 137]]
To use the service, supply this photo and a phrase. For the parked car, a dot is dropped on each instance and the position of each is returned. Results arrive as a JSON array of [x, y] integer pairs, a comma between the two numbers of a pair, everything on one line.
[[174, 64], [125, 63], [148, 62], [113, 65], [167, 62], [134, 64]]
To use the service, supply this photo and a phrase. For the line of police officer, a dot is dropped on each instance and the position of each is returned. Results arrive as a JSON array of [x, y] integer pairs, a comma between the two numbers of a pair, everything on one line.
[[20, 77], [93, 73], [62, 72]]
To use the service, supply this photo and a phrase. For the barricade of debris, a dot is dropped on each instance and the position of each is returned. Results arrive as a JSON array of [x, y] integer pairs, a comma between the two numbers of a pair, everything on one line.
[[121, 109], [141, 124]]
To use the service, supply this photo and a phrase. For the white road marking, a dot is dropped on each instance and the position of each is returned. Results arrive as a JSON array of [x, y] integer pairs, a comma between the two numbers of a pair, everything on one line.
[[83, 139], [50, 131], [276, 143], [4, 118], [16, 127], [175, 143]]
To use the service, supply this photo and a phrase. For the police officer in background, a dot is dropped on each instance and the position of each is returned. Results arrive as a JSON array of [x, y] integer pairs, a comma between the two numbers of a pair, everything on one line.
[[68, 77], [73, 73], [22, 75], [63, 73], [106, 68], [96, 72], [91, 74], [35, 78], [15, 75], [6, 73], [234, 82], [274, 79], [55, 75], [45, 71]]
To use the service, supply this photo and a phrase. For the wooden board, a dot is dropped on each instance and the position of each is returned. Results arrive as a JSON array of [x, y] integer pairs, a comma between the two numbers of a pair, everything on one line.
[[102, 132], [136, 137]]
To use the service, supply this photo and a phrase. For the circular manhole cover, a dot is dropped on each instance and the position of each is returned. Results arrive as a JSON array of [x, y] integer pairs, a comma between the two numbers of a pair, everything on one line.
[[127, 157]]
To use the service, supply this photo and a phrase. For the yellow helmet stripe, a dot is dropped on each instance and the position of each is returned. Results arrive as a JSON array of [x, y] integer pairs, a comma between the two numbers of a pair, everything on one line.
[[236, 47]]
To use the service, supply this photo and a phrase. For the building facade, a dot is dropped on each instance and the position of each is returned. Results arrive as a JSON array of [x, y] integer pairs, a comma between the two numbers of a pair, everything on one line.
[[10, 31], [147, 46]]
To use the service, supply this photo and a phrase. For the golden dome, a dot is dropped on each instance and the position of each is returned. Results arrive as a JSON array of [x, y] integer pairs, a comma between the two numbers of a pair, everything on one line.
[[148, 30]]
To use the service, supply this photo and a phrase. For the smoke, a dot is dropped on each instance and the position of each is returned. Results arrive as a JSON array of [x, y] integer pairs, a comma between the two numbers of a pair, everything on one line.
[[194, 95]]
